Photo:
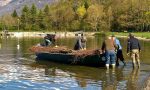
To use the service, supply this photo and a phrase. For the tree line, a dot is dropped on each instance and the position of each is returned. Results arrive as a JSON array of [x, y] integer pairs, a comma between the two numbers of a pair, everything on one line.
[[86, 15]]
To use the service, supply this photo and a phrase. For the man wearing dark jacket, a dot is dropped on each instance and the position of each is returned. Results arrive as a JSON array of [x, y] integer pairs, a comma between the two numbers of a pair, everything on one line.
[[134, 48]]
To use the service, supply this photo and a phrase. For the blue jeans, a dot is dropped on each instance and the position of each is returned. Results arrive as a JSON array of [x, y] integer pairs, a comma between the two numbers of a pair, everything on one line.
[[110, 56]]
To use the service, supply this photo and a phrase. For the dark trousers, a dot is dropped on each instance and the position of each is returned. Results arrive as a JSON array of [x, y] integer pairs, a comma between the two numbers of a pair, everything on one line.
[[119, 57]]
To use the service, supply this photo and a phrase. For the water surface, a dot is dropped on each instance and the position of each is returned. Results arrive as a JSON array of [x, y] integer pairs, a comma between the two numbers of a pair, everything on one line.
[[20, 71]]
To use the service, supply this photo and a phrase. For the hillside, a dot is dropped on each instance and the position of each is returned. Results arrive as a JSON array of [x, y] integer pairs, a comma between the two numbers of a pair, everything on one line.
[[4, 2], [7, 6]]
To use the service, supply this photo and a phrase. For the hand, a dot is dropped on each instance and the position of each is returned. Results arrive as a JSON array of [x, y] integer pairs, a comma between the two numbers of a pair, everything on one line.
[[100, 52], [103, 51], [128, 54]]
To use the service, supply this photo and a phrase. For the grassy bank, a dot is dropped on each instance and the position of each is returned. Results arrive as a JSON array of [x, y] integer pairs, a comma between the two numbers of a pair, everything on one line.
[[136, 34]]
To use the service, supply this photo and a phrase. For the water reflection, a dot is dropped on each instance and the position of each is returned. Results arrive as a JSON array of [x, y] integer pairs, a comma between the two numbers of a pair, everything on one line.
[[132, 81], [124, 78], [112, 78]]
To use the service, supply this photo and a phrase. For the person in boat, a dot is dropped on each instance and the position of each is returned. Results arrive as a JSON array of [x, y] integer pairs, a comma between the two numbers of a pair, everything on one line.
[[108, 47], [133, 49], [80, 42], [49, 39], [83, 41], [119, 53]]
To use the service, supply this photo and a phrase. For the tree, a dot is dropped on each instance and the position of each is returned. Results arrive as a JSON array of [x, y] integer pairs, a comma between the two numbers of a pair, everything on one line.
[[81, 11], [41, 22], [46, 10], [9, 22], [94, 15], [25, 18], [25, 10], [14, 14], [33, 12], [86, 5], [117, 15], [110, 17]]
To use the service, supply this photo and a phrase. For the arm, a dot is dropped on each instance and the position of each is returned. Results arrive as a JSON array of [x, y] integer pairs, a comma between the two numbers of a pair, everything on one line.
[[80, 44], [128, 46], [116, 44], [119, 45], [103, 46], [139, 46]]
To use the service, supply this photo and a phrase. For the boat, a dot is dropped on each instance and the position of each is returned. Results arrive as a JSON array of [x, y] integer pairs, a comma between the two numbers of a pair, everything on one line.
[[81, 57]]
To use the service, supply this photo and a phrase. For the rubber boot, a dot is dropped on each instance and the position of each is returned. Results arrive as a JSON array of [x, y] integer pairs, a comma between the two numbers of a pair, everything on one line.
[[134, 64], [138, 62], [124, 63], [113, 68], [107, 66], [117, 63]]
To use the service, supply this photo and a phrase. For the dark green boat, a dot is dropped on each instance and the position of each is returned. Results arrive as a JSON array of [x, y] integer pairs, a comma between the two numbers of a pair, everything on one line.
[[89, 60]]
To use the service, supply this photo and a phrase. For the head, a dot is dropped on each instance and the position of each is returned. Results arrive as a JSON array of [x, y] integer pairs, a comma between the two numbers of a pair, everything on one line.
[[47, 34], [131, 35], [109, 37], [105, 36], [113, 36]]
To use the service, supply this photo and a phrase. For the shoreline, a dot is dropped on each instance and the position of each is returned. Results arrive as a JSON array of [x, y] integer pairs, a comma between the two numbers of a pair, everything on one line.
[[59, 34], [140, 38], [42, 34], [125, 35]]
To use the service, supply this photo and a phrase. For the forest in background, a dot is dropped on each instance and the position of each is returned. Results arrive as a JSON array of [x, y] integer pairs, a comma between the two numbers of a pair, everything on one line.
[[86, 15]]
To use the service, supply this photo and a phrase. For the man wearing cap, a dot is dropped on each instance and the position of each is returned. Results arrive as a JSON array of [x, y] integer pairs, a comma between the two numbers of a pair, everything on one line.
[[119, 51]]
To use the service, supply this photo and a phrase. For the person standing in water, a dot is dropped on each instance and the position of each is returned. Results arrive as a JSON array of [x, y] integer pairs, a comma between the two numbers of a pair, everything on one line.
[[108, 47], [134, 48], [119, 51]]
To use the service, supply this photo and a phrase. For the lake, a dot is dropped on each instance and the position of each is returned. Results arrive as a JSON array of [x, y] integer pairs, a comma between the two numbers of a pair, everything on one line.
[[20, 71]]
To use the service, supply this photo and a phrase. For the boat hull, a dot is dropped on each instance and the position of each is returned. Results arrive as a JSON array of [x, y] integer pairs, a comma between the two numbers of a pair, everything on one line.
[[90, 60]]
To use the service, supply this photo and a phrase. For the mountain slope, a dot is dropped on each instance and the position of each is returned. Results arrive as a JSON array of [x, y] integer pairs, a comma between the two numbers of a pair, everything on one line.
[[4, 2], [8, 6]]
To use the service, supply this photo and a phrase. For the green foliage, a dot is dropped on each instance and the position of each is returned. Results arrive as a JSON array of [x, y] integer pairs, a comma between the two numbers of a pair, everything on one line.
[[33, 13], [25, 9], [14, 14], [81, 11], [86, 4], [46, 10], [87, 15], [33, 10], [24, 18]]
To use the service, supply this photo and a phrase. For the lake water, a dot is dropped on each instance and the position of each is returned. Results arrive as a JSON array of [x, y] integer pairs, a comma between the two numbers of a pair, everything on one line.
[[20, 71]]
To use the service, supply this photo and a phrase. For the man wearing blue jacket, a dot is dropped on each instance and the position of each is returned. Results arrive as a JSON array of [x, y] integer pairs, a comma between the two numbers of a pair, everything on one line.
[[119, 51]]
